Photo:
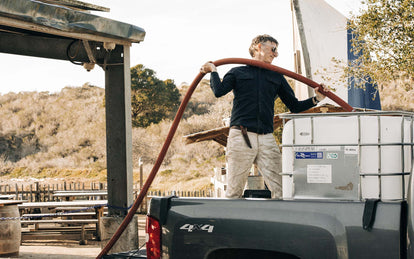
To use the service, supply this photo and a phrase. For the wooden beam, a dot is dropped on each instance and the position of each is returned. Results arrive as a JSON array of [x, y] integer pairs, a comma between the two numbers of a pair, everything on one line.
[[220, 135]]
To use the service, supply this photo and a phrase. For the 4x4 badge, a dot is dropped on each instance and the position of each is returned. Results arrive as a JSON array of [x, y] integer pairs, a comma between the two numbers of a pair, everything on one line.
[[197, 227]]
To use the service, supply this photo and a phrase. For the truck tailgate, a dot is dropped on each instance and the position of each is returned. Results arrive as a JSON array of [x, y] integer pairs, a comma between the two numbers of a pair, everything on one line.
[[222, 228]]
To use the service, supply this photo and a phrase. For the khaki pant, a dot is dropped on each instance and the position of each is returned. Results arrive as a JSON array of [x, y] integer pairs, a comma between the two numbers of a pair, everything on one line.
[[240, 158]]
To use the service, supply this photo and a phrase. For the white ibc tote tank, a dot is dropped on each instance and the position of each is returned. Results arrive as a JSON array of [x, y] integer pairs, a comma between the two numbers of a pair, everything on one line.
[[348, 156]]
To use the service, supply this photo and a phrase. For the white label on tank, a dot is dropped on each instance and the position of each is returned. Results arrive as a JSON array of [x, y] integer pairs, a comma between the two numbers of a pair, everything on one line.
[[351, 150], [319, 173]]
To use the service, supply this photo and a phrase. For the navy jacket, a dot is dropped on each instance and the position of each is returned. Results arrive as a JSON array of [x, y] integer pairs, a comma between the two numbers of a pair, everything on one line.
[[255, 91]]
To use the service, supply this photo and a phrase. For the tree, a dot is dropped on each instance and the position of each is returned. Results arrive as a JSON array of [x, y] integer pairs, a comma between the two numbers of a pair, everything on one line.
[[152, 99], [384, 35]]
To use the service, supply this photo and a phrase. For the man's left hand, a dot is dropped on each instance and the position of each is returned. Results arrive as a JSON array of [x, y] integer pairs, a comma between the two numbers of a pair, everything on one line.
[[318, 94]]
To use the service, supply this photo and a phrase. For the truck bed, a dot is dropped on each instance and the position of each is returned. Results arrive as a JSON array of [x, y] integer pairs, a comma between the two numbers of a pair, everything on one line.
[[265, 228]]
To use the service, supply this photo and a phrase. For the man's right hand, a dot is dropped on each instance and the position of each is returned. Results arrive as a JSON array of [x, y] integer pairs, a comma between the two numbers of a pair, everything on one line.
[[208, 68]]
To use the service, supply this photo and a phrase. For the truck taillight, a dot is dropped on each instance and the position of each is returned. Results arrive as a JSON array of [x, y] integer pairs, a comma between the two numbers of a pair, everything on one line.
[[153, 238]]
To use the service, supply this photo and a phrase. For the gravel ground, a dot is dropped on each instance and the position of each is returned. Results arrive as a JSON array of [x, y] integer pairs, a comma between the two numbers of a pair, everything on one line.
[[63, 250], [58, 251], [68, 249]]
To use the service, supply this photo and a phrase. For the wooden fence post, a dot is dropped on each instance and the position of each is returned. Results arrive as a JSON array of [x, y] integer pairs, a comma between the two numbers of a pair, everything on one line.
[[31, 194], [16, 191], [36, 192]]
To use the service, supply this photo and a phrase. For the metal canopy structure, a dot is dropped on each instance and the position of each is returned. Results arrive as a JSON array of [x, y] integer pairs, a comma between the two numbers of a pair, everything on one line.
[[77, 5], [64, 30]]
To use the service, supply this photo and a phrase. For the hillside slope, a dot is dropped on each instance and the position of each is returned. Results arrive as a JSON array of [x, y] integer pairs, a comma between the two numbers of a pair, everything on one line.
[[45, 135], [63, 135]]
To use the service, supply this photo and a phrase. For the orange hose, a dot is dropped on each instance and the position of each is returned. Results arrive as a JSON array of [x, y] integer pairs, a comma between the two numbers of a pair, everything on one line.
[[285, 72], [177, 119]]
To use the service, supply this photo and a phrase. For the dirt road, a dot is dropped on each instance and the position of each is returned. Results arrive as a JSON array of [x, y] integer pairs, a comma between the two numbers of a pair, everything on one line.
[[58, 251], [69, 249]]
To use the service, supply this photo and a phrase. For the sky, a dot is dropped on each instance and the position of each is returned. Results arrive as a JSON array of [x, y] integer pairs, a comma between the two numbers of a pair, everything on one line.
[[181, 35]]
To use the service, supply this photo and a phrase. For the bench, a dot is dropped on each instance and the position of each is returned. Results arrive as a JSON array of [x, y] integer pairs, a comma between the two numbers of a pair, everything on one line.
[[71, 195], [81, 222], [60, 221], [83, 215], [82, 218], [53, 215], [7, 196]]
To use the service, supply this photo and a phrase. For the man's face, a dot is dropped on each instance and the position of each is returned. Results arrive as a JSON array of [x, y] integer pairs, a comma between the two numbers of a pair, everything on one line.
[[267, 51]]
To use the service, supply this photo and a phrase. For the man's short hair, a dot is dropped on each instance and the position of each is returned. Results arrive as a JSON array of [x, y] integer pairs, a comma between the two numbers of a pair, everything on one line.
[[260, 39]]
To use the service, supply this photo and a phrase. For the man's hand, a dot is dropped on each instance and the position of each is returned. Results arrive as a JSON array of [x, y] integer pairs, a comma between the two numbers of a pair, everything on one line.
[[208, 68], [318, 95]]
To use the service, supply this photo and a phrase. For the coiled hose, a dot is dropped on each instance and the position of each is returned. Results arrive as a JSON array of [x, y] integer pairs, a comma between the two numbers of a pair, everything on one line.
[[178, 117]]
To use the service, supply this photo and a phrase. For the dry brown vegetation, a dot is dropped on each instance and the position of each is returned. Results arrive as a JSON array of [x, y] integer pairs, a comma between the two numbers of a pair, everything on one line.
[[398, 95], [62, 135], [57, 135], [185, 167]]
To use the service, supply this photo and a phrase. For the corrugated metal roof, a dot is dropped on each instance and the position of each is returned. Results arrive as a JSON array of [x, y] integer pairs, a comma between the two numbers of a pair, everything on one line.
[[36, 16], [77, 5]]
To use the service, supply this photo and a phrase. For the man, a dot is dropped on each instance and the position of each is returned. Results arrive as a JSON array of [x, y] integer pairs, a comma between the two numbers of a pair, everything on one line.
[[251, 126]]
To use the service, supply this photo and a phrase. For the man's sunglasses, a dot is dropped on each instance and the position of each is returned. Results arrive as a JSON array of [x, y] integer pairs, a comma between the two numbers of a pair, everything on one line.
[[274, 49]]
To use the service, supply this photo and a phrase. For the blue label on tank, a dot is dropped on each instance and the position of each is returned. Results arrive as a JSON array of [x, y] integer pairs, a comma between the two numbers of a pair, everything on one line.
[[309, 155]]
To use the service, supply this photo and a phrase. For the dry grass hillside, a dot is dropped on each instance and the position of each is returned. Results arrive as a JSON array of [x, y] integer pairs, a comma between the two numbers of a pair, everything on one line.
[[62, 135]]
